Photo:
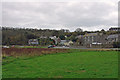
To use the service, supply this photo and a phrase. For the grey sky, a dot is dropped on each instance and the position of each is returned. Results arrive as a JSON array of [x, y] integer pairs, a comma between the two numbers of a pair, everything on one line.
[[59, 15]]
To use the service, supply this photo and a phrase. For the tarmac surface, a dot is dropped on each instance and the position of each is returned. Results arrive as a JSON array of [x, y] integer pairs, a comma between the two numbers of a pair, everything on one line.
[[84, 48]]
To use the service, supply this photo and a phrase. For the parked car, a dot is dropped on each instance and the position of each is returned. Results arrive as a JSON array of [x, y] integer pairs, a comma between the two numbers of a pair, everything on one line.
[[51, 46]]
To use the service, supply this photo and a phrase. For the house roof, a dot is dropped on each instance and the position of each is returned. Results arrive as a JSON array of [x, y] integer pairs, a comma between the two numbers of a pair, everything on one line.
[[79, 36], [113, 36], [63, 40], [52, 37], [33, 40]]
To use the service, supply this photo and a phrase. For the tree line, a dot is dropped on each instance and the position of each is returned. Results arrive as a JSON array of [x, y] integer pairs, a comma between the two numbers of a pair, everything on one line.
[[20, 36]]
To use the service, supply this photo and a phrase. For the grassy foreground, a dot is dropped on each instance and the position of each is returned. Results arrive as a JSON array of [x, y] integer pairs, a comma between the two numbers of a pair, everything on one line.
[[75, 64]]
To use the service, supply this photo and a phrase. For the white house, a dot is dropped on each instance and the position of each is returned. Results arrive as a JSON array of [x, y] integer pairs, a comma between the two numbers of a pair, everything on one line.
[[33, 42]]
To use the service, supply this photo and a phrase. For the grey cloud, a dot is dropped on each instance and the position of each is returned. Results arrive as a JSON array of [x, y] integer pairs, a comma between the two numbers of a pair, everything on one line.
[[61, 14]]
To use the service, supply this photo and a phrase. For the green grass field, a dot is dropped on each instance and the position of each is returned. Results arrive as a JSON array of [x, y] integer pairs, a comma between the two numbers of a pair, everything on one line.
[[75, 64]]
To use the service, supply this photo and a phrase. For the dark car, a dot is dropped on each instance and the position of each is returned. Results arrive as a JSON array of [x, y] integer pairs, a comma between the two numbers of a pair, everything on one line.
[[51, 46]]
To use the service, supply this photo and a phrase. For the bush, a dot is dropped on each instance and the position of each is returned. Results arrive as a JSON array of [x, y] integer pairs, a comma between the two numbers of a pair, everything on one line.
[[116, 44]]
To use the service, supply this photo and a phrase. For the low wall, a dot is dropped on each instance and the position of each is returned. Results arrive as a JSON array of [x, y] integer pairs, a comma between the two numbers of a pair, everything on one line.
[[99, 46]]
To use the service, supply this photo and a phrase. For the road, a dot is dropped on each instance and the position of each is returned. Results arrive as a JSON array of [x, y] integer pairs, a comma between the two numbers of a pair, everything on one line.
[[84, 48]]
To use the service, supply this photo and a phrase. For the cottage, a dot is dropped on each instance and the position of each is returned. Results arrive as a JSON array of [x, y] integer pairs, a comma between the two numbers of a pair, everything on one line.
[[33, 42], [68, 43], [63, 41]]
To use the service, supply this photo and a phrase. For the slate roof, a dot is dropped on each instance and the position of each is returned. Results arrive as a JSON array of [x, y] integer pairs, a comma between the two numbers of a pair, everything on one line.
[[112, 36]]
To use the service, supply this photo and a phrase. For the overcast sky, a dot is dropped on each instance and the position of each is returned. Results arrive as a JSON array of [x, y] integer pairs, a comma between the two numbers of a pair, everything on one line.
[[61, 15]]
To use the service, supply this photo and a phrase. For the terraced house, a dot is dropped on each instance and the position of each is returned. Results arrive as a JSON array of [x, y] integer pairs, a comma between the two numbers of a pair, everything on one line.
[[94, 39]]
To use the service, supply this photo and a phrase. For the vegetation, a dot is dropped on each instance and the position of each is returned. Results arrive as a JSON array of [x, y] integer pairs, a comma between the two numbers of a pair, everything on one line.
[[116, 44], [29, 51], [20, 36], [72, 64]]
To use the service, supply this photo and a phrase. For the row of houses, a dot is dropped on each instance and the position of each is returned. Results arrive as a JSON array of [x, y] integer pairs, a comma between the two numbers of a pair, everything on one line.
[[56, 39], [114, 29], [98, 39], [88, 40]]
